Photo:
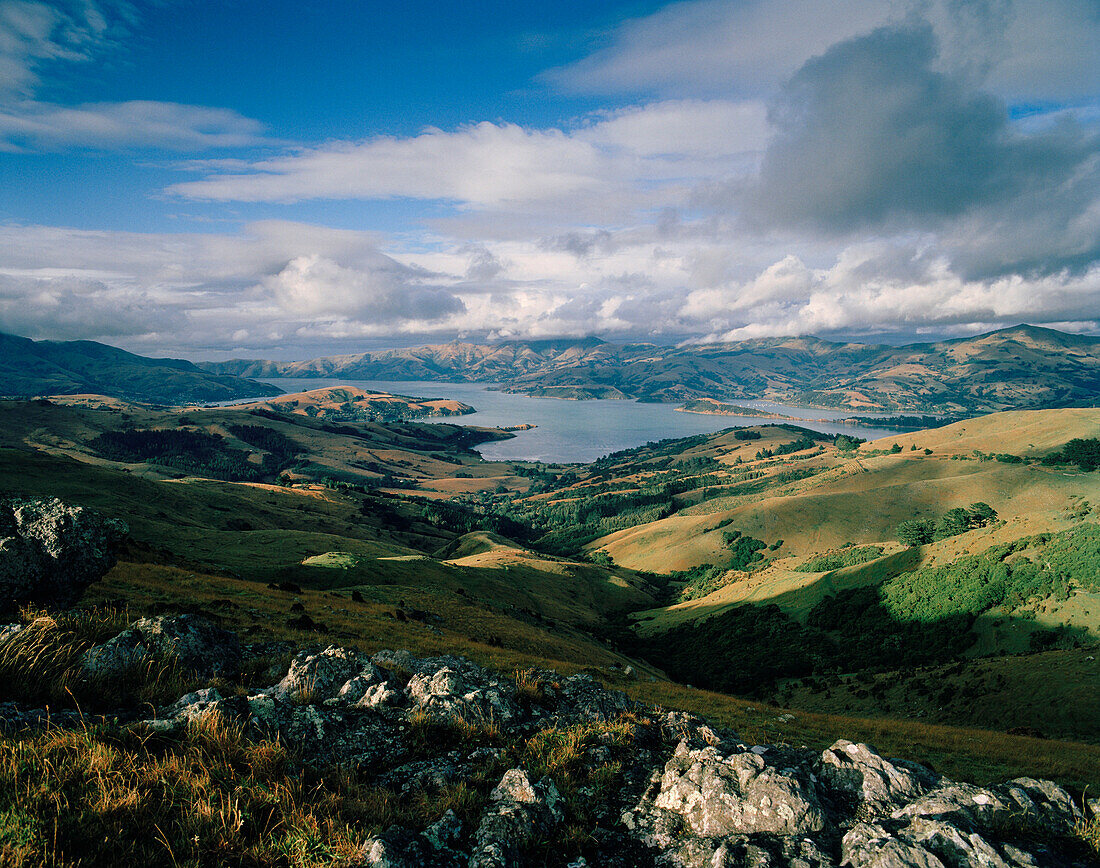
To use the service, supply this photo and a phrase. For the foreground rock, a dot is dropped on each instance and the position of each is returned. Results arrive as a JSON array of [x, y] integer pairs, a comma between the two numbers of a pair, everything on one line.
[[50, 552], [553, 770], [190, 641]]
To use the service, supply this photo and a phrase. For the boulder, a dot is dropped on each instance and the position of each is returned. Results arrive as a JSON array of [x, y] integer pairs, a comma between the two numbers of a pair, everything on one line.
[[191, 640], [719, 795], [519, 812], [876, 786], [51, 551], [322, 675], [929, 842], [401, 848], [461, 690]]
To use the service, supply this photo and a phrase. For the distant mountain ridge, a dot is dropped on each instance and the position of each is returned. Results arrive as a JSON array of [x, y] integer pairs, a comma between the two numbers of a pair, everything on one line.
[[33, 368], [1022, 367]]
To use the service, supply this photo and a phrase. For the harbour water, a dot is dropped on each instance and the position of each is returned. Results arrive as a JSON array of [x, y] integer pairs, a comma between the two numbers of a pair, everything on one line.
[[581, 431]]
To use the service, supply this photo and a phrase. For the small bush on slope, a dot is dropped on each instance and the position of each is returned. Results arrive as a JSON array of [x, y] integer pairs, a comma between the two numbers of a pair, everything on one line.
[[843, 558]]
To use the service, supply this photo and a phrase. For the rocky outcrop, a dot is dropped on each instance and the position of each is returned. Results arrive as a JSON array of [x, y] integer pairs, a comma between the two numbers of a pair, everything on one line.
[[637, 787], [51, 551], [189, 640]]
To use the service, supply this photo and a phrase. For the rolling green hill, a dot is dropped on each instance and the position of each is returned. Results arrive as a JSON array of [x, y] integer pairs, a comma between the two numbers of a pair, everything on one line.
[[32, 368], [398, 535]]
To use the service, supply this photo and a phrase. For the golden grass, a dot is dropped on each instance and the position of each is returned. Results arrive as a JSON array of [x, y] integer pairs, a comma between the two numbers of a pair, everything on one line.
[[109, 797], [1088, 832], [40, 665]]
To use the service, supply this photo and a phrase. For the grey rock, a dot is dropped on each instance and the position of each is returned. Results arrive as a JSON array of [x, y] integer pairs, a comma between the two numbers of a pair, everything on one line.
[[10, 631], [518, 812], [1044, 803], [719, 795], [456, 688], [193, 641], [51, 551], [321, 675], [929, 842], [877, 785], [872, 846]]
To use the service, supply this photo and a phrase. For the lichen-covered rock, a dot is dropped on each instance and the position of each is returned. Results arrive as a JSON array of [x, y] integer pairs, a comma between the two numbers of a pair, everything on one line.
[[678, 793], [932, 842], [51, 551], [462, 690], [191, 640], [518, 812], [582, 696], [402, 848], [321, 675], [719, 795], [878, 786], [1045, 803]]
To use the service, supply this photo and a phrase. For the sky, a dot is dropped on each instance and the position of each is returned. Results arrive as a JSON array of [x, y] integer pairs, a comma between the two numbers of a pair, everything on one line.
[[270, 179]]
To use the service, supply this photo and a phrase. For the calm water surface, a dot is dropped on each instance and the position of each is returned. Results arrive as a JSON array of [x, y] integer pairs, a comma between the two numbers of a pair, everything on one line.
[[578, 431]]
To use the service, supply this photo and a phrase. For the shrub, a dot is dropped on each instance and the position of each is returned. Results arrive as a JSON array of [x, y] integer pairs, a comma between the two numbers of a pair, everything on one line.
[[843, 558]]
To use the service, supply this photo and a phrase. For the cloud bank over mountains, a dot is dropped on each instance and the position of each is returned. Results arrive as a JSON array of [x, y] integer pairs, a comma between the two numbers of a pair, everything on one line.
[[761, 168]]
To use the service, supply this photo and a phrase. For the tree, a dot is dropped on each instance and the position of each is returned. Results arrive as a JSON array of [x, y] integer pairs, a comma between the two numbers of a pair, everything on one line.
[[895, 449], [915, 532], [981, 514], [846, 444], [1084, 453], [952, 523]]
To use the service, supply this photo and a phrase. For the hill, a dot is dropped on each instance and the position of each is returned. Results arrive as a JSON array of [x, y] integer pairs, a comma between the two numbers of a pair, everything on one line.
[[1024, 367], [761, 561], [36, 368], [343, 403]]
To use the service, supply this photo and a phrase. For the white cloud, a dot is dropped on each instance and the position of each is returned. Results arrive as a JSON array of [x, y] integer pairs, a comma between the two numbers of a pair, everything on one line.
[[608, 167], [137, 123], [684, 129], [1022, 49], [487, 164], [710, 47], [303, 290], [33, 33]]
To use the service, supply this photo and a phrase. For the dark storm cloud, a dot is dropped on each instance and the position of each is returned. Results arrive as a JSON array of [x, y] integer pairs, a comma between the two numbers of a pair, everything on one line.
[[872, 135]]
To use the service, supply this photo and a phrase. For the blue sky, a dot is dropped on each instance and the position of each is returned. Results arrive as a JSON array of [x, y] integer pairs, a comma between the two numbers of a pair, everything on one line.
[[265, 178]]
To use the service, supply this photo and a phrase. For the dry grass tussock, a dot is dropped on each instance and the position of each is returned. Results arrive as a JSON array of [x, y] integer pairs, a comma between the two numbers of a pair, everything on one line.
[[1088, 832], [41, 664], [114, 797], [209, 795]]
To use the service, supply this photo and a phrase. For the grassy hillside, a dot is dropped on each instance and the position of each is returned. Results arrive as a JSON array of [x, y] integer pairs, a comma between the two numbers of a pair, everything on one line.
[[30, 368], [519, 565]]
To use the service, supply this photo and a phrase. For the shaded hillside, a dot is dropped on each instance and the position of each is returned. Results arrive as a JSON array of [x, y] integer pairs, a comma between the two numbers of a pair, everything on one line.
[[32, 368], [1017, 368]]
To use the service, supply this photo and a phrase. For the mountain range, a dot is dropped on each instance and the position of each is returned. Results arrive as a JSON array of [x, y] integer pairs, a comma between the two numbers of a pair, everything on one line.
[[1023, 367], [33, 368]]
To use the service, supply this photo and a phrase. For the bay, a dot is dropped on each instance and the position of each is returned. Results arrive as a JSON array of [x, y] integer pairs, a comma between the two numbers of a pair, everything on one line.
[[579, 431]]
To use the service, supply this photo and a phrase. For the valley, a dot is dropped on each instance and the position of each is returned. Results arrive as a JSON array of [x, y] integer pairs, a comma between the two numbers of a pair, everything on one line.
[[762, 562]]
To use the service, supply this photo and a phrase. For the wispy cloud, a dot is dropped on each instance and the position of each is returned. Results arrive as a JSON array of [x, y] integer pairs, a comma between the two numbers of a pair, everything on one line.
[[31, 125], [604, 164], [35, 35]]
